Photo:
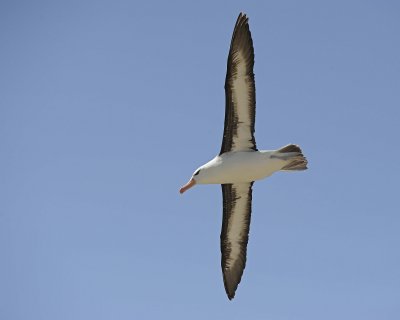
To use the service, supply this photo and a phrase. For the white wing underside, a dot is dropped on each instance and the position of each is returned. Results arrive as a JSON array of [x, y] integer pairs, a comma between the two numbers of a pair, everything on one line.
[[240, 91], [242, 141], [235, 232]]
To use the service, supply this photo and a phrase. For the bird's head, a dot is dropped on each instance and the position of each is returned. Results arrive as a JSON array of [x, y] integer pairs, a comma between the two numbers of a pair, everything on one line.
[[196, 178]]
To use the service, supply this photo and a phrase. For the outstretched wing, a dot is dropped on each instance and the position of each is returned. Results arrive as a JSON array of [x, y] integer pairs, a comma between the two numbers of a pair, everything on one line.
[[240, 91], [235, 233]]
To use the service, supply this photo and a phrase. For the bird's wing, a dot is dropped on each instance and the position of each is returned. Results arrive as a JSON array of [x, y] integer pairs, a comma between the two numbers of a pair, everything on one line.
[[240, 91], [235, 233]]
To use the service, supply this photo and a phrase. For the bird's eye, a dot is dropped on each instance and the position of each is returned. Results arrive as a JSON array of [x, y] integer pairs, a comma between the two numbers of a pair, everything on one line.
[[197, 172]]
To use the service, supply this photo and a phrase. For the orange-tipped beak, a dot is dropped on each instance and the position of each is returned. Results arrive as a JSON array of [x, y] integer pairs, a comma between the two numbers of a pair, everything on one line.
[[187, 186]]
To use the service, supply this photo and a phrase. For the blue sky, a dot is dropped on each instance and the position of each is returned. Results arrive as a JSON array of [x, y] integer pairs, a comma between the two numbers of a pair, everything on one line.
[[107, 107]]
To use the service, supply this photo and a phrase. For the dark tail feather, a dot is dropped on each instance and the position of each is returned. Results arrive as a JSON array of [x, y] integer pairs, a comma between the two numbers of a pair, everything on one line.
[[294, 156], [290, 148]]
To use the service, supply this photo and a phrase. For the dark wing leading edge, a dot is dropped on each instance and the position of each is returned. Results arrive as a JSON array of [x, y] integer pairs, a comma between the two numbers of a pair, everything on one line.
[[235, 233], [240, 91]]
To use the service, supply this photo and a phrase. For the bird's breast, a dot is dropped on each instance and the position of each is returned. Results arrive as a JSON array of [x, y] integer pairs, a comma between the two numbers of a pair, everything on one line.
[[239, 167]]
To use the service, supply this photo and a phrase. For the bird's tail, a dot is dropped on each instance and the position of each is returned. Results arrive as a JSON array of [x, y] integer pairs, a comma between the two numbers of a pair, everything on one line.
[[293, 156]]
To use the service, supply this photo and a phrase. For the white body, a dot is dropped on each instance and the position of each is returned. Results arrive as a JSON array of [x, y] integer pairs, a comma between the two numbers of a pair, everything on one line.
[[239, 167]]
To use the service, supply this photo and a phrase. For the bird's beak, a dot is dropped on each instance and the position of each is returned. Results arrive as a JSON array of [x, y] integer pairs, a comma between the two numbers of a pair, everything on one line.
[[187, 186]]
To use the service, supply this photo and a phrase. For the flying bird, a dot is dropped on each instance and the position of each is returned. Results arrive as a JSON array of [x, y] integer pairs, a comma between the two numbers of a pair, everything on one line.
[[240, 163]]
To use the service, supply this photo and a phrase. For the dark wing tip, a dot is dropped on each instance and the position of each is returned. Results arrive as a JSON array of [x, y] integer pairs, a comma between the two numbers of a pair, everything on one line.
[[229, 289], [242, 18], [232, 279], [233, 275], [241, 22], [241, 40]]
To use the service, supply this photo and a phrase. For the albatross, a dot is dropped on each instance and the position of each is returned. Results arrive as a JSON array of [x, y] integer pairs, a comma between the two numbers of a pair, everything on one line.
[[239, 162]]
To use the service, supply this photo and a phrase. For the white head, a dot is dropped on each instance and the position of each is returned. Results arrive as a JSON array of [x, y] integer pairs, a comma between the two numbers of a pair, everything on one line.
[[196, 178]]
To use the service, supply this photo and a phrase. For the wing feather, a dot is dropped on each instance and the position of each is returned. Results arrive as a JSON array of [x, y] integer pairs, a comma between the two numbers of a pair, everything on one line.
[[235, 233], [240, 92]]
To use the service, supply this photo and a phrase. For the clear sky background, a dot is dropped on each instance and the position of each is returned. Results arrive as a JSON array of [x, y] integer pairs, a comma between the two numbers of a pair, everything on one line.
[[107, 108]]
